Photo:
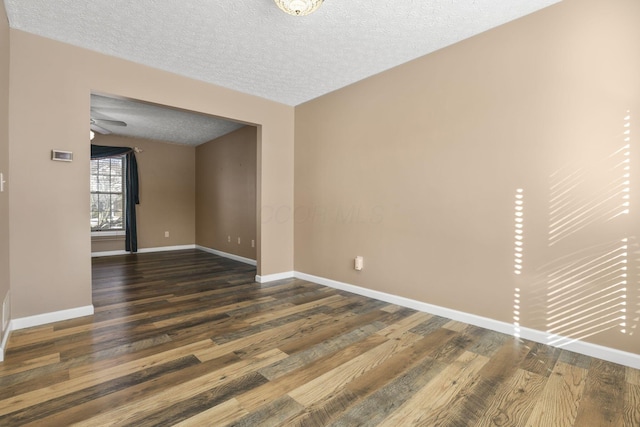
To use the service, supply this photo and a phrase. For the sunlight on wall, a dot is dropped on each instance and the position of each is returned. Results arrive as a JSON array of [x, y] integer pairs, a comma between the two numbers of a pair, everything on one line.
[[519, 230], [516, 313], [580, 198], [588, 295], [518, 255], [590, 280], [587, 289]]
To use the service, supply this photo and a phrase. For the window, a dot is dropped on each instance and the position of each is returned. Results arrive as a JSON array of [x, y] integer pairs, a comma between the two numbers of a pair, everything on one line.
[[107, 194]]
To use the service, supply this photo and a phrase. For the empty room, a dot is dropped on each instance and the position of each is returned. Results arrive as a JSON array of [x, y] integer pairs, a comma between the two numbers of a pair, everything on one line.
[[320, 213]]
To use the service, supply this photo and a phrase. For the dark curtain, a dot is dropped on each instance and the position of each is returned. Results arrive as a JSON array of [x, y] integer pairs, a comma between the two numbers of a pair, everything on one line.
[[131, 185]]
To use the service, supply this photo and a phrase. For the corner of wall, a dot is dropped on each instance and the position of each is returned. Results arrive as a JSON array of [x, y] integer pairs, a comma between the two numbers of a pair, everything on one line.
[[5, 323]]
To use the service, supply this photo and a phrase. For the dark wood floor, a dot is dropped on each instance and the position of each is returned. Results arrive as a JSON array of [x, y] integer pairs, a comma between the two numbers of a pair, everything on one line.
[[188, 338]]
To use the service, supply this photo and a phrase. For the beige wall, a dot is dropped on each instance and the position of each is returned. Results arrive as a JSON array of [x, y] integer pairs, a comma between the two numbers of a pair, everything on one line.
[[4, 156], [51, 83], [167, 194], [417, 170], [226, 193]]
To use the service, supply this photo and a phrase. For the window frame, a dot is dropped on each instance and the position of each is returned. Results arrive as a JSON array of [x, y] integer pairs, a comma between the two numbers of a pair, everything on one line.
[[122, 193]]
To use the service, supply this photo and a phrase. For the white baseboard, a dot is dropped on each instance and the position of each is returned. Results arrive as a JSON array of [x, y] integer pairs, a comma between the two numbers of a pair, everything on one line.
[[108, 253], [227, 255], [56, 316], [274, 277], [593, 350], [144, 250]]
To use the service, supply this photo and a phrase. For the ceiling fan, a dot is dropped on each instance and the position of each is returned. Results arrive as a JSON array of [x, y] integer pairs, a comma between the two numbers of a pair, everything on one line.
[[97, 125]]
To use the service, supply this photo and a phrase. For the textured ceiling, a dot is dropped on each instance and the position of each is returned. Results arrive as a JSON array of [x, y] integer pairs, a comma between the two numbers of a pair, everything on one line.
[[156, 122], [253, 47]]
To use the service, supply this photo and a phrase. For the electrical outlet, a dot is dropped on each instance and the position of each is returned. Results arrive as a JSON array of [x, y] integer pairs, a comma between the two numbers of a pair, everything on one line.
[[166, 234], [2, 182], [253, 243], [238, 240], [229, 239]]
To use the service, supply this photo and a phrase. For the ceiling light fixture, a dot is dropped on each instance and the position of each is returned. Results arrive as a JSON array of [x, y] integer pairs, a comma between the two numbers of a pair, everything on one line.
[[299, 7]]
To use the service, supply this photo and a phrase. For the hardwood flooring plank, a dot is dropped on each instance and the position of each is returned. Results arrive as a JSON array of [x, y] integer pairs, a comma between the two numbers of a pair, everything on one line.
[[631, 416], [489, 343], [322, 412], [392, 308], [558, 404], [41, 410], [356, 305], [602, 402], [398, 329], [479, 394], [23, 337], [34, 379], [379, 405], [541, 359], [7, 370], [139, 409], [296, 309], [455, 326], [381, 375], [633, 376], [375, 305], [514, 401], [453, 344], [185, 409], [205, 329], [114, 349], [425, 405], [335, 327], [347, 302], [575, 359], [223, 414], [338, 377], [268, 338], [83, 411], [94, 378], [317, 313], [282, 297], [396, 365], [273, 414], [34, 351], [432, 324], [257, 397], [197, 316], [118, 354], [323, 349], [129, 306]]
